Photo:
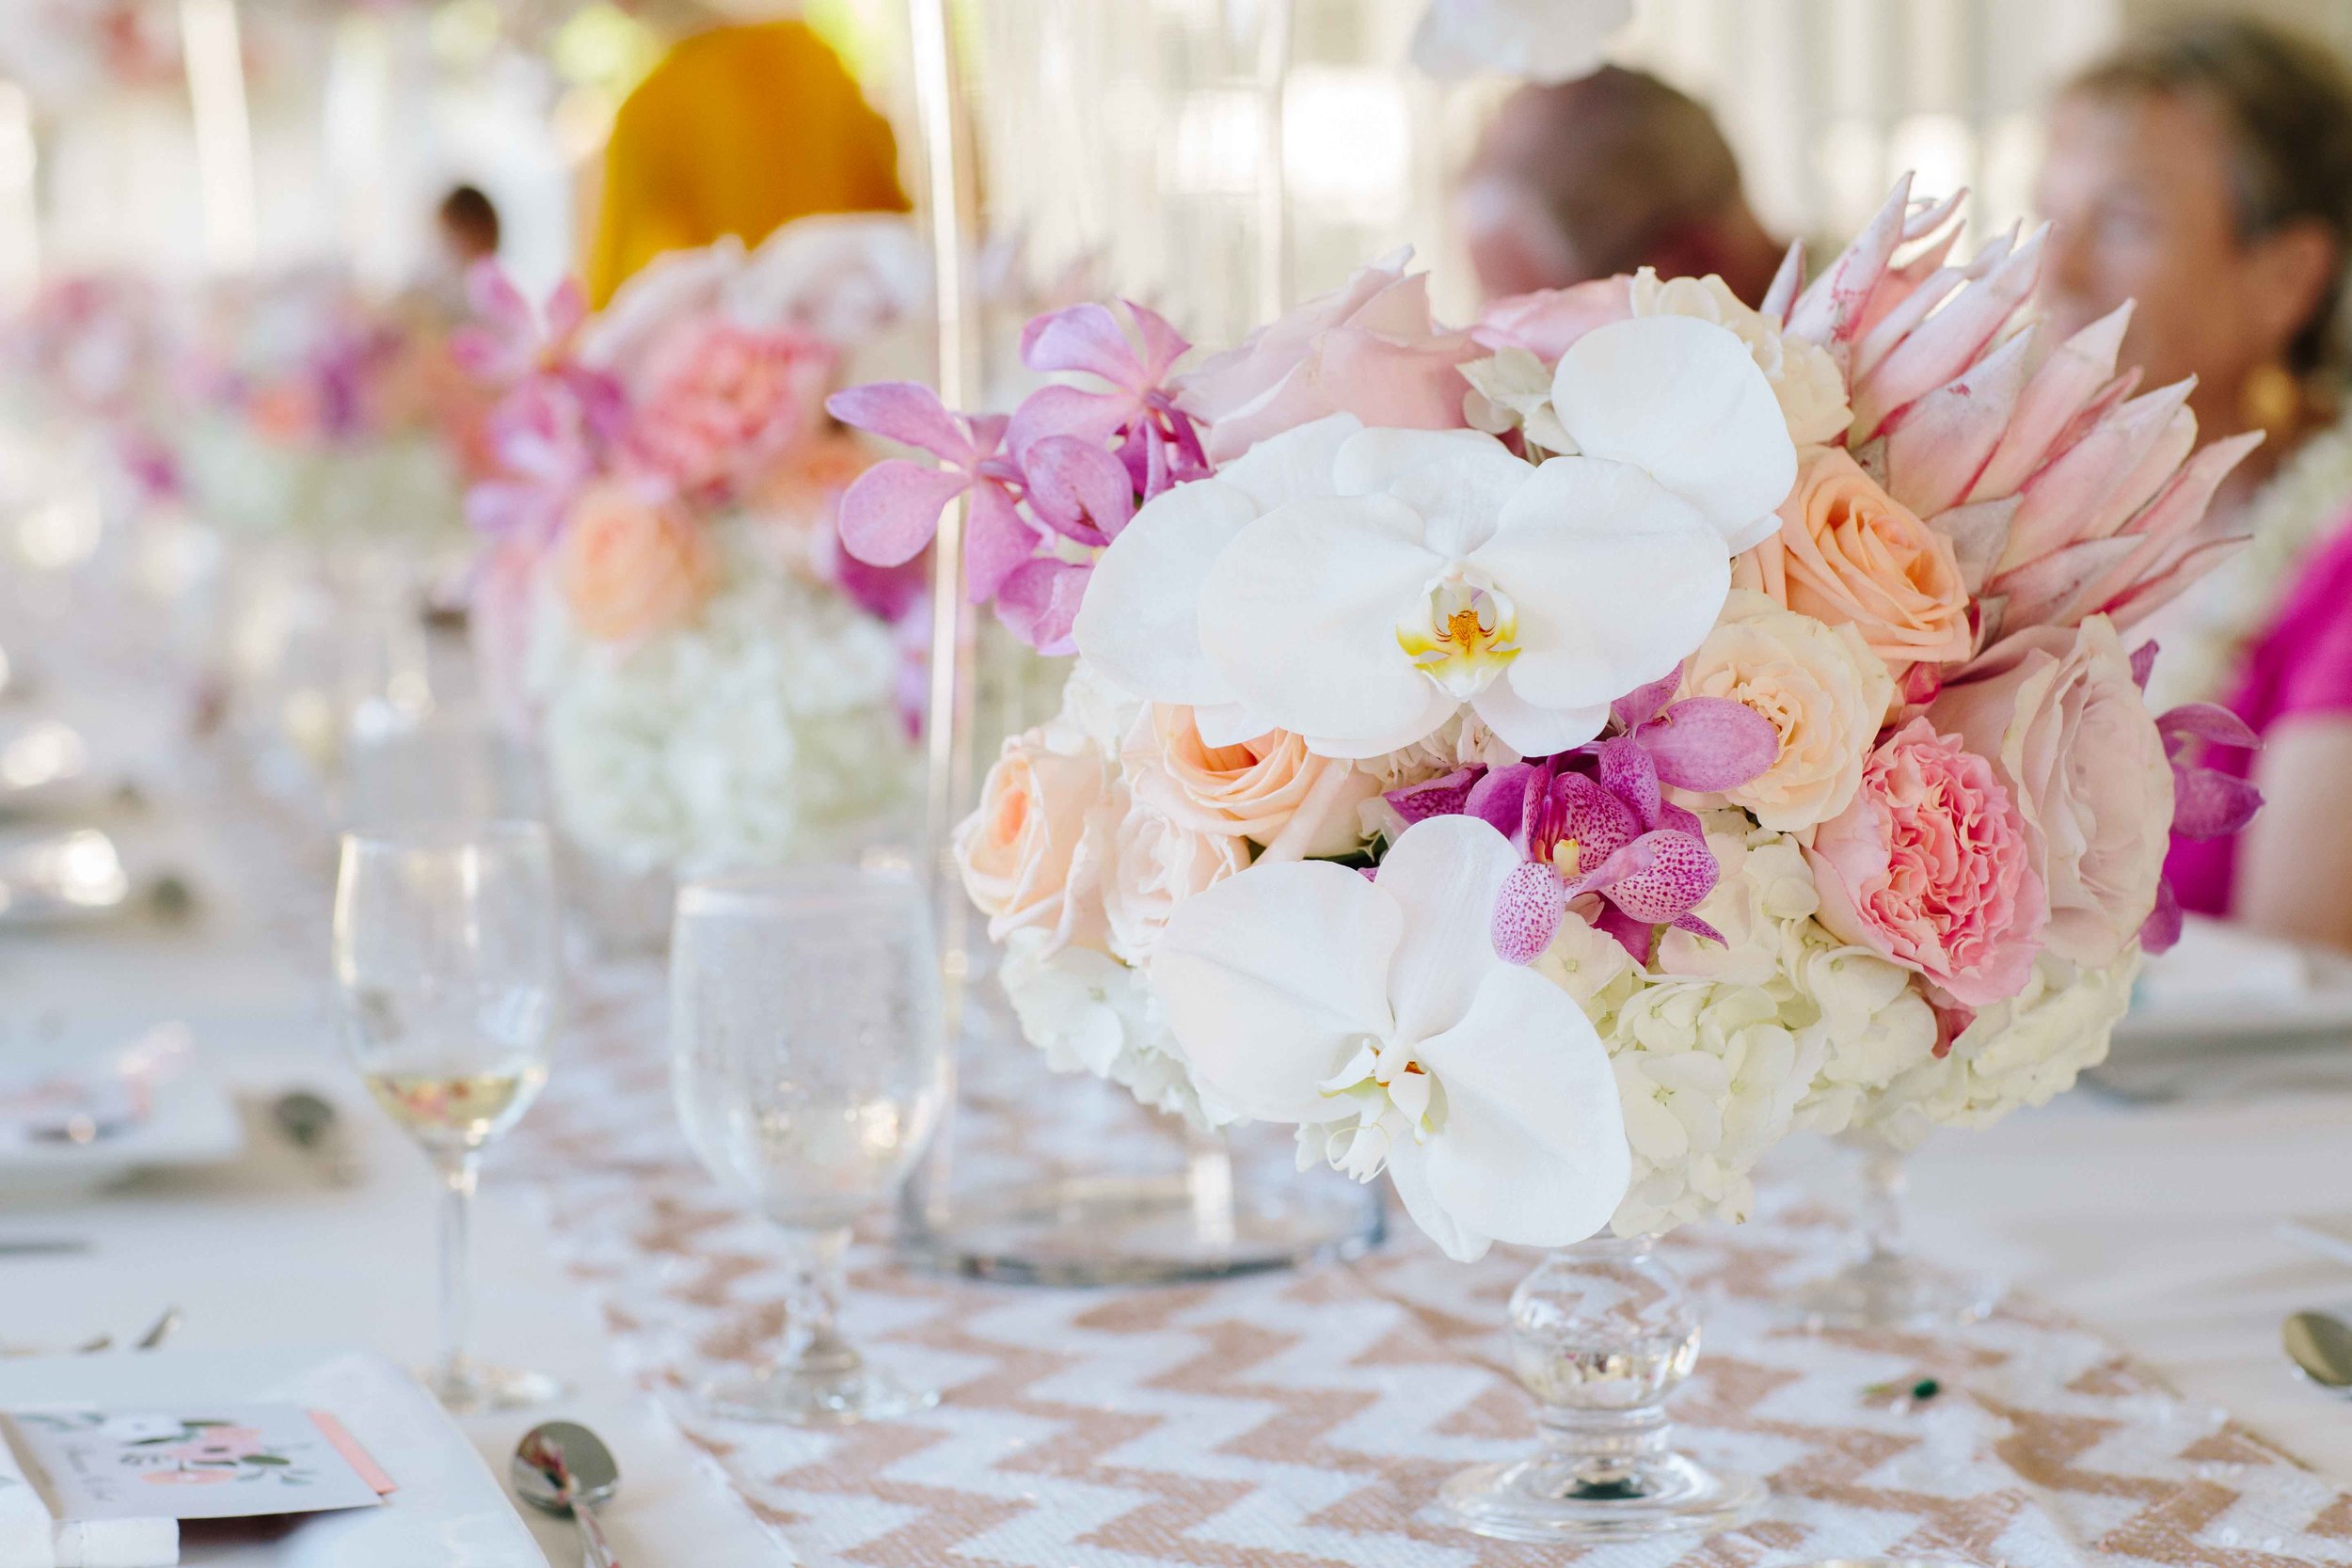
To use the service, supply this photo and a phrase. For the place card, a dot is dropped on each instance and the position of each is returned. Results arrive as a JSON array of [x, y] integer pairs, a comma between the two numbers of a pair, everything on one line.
[[223, 1462]]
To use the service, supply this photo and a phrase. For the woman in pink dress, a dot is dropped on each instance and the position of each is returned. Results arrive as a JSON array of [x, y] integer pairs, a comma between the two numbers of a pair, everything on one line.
[[2206, 172]]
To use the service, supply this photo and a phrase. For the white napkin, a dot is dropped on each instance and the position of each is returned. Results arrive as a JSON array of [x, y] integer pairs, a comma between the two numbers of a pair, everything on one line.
[[31, 1537]]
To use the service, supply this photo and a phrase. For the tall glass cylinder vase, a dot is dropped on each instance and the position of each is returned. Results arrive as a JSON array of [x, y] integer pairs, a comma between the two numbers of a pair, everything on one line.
[[1601, 1333], [1086, 149]]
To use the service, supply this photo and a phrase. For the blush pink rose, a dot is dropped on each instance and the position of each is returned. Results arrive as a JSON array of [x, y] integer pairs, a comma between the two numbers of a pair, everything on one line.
[[1549, 320], [1370, 349], [2063, 721], [723, 402], [1252, 791], [1156, 862], [1931, 867], [1034, 853]]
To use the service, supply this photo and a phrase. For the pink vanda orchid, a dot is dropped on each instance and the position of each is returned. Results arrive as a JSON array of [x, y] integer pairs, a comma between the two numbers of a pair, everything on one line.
[[2207, 802], [1049, 488]]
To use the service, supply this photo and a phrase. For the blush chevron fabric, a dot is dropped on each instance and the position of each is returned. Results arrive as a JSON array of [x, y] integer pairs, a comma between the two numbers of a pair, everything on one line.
[[1304, 1420]]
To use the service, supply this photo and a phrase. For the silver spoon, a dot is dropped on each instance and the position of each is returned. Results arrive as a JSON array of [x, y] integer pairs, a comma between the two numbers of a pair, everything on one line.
[[565, 1468], [166, 1326], [2320, 1345]]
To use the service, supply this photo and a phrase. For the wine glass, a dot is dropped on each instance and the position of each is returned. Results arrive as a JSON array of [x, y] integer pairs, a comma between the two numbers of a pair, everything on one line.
[[445, 971], [808, 1058]]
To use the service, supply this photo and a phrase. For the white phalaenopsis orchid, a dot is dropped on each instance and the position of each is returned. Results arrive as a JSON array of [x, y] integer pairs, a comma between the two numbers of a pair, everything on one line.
[[1360, 587], [1376, 1017]]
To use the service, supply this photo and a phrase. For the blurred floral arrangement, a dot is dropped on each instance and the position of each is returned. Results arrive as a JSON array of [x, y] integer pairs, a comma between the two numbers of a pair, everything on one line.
[[316, 411], [1551, 760], [714, 682]]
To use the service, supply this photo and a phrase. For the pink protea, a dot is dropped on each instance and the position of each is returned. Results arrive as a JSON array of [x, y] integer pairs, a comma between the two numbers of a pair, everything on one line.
[[2063, 494]]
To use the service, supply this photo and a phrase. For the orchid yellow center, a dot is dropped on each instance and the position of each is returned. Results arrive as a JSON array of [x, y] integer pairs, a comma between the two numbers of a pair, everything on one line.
[[1568, 857], [1462, 634]]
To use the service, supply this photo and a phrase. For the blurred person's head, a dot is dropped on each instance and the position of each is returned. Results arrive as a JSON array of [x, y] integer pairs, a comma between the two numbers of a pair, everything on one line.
[[2205, 170], [1603, 175], [469, 226]]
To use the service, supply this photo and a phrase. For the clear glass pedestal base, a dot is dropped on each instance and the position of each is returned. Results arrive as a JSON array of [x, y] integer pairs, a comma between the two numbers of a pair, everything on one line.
[[1884, 1288], [790, 1397], [1601, 1333], [1546, 1498], [1891, 1291], [469, 1389]]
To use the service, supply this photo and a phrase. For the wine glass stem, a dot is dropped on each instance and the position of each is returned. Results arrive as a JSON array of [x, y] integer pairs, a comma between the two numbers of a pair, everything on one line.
[[1881, 1211], [458, 1180], [812, 1303]]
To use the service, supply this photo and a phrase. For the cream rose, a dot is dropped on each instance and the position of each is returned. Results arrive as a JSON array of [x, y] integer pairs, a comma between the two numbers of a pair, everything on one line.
[[1157, 864], [2063, 720], [1804, 378], [1253, 791], [1821, 686], [1032, 855], [1850, 554]]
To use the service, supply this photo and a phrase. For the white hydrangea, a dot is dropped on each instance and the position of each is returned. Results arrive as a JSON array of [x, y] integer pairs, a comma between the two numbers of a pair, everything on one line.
[[1088, 1012], [2023, 1052], [1722, 1048], [765, 729]]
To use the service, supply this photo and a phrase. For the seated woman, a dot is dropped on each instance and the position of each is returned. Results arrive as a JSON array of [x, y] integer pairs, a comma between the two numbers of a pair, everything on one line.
[[2206, 172]]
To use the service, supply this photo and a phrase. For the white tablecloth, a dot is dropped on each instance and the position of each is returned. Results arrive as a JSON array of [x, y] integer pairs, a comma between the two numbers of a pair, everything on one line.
[[2153, 1226]]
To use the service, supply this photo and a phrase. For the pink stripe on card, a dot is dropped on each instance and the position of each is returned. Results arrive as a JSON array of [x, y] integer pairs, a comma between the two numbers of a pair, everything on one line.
[[354, 1455]]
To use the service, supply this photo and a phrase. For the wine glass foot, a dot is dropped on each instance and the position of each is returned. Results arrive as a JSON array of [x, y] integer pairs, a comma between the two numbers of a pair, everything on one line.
[[1886, 1292], [782, 1395], [1552, 1499], [470, 1389]]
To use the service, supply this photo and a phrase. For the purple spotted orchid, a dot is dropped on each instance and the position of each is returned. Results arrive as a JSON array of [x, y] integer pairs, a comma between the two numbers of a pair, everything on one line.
[[1049, 488], [1596, 820]]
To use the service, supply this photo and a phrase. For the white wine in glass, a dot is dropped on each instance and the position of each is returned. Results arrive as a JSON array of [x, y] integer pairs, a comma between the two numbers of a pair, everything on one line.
[[809, 1062], [445, 975]]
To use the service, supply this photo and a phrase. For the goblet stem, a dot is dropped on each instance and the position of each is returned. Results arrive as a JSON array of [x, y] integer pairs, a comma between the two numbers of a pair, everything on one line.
[[813, 1346], [1881, 1210], [459, 1173]]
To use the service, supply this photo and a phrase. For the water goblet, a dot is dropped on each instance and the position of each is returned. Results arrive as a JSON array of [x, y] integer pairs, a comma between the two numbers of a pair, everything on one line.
[[808, 1058]]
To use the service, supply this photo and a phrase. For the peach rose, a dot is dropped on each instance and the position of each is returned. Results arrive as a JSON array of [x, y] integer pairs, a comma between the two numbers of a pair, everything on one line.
[[1932, 868], [2063, 720], [1821, 686], [1032, 855], [1157, 864], [1369, 349], [1253, 790], [1850, 554], [629, 567]]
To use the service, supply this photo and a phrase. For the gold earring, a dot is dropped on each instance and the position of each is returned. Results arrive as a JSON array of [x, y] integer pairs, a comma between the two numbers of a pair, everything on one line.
[[2271, 398]]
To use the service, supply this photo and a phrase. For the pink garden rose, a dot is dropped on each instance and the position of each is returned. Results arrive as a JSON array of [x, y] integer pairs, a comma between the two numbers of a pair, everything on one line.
[[1369, 349], [2064, 723], [720, 402], [1549, 320], [1931, 867]]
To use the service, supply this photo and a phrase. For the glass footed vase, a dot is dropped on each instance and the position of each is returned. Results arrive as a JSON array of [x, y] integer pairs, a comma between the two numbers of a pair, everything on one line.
[[1601, 1333], [1883, 1287]]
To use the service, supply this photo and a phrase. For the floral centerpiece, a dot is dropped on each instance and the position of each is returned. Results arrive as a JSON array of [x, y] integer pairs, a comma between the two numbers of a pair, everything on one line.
[[714, 682], [1551, 760], [319, 414]]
